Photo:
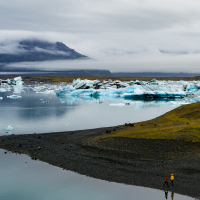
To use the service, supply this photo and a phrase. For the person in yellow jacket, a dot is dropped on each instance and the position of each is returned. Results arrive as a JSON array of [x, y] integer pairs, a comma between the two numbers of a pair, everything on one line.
[[172, 179]]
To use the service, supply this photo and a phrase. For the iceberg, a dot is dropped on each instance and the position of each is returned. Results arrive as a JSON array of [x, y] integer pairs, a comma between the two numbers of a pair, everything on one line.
[[13, 96], [3, 90], [15, 81], [191, 87], [1, 98], [9, 128], [148, 90], [117, 104], [49, 92]]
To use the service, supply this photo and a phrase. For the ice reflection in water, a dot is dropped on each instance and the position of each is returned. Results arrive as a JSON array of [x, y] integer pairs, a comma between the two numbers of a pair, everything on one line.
[[23, 178], [40, 110]]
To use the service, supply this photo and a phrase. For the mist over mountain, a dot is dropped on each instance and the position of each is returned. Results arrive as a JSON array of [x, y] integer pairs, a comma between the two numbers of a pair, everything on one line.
[[36, 50]]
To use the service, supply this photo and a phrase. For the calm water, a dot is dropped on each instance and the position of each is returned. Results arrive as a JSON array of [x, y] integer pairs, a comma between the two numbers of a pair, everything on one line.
[[39, 111], [23, 178]]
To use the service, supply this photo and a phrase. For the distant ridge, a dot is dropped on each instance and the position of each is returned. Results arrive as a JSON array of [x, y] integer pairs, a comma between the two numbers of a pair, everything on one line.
[[154, 74], [39, 50], [76, 72]]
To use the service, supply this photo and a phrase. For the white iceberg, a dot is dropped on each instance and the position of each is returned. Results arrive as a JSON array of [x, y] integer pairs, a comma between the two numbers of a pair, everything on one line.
[[3, 90], [18, 80], [9, 128], [131, 90], [1, 98], [49, 92], [117, 104], [14, 96]]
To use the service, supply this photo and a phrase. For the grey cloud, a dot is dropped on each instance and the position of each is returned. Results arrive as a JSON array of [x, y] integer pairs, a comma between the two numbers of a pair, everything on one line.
[[37, 49], [116, 33], [126, 63], [10, 47]]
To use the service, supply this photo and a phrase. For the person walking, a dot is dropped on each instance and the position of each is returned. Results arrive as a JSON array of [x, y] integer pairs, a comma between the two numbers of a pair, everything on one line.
[[166, 182], [172, 179]]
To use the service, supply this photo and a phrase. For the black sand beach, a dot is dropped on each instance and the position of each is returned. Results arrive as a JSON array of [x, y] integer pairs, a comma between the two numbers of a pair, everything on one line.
[[141, 162]]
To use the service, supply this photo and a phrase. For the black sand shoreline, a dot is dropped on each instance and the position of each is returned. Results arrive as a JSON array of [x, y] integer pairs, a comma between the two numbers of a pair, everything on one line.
[[146, 166]]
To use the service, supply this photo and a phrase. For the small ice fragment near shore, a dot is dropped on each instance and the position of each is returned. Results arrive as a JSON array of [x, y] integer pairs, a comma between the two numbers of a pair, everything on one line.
[[117, 104], [9, 128], [99, 101], [13, 96]]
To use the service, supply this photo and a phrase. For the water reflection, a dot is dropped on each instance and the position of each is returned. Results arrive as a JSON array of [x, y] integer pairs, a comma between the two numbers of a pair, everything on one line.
[[166, 194], [172, 195], [23, 178], [40, 110]]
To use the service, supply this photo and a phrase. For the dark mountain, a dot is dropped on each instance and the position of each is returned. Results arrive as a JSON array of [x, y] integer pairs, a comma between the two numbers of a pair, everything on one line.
[[39, 50]]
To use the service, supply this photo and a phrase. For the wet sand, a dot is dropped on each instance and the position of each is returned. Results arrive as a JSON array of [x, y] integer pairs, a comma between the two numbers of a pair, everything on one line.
[[141, 162]]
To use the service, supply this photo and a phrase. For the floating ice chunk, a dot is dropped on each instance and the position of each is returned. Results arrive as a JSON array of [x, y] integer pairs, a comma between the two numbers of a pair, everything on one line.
[[15, 81], [117, 104], [14, 96], [18, 80], [65, 91], [191, 86], [1, 98], [99, 101], [138, 90], [49, 92], [153, 82], [3, 90], [9, 128]]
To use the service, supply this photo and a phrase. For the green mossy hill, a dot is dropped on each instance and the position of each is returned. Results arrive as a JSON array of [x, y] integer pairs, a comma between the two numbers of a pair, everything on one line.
[[182, 123]]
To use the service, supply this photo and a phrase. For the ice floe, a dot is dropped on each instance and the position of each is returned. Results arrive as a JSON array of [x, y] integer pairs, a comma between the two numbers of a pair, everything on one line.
[[117, 104], [107, 89], [15, 81], [153, 89], [14, 96], [9, 128]]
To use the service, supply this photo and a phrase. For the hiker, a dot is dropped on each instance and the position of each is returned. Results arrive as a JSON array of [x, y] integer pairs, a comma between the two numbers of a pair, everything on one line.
[[166, 182], [172, 179], [166, 194]]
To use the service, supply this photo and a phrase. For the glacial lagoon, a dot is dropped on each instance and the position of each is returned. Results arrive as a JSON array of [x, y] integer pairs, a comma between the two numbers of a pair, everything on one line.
[[23, 178], [43, 108], [35, 108]]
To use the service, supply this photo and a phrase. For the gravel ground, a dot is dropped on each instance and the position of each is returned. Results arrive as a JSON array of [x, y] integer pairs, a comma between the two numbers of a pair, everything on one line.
[[139, 162]]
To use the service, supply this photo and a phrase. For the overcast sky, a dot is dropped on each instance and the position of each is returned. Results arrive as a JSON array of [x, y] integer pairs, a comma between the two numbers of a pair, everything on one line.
[[121, 35]]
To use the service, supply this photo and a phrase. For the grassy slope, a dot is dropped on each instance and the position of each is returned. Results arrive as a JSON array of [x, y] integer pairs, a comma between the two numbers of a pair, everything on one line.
[[182, 123]]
